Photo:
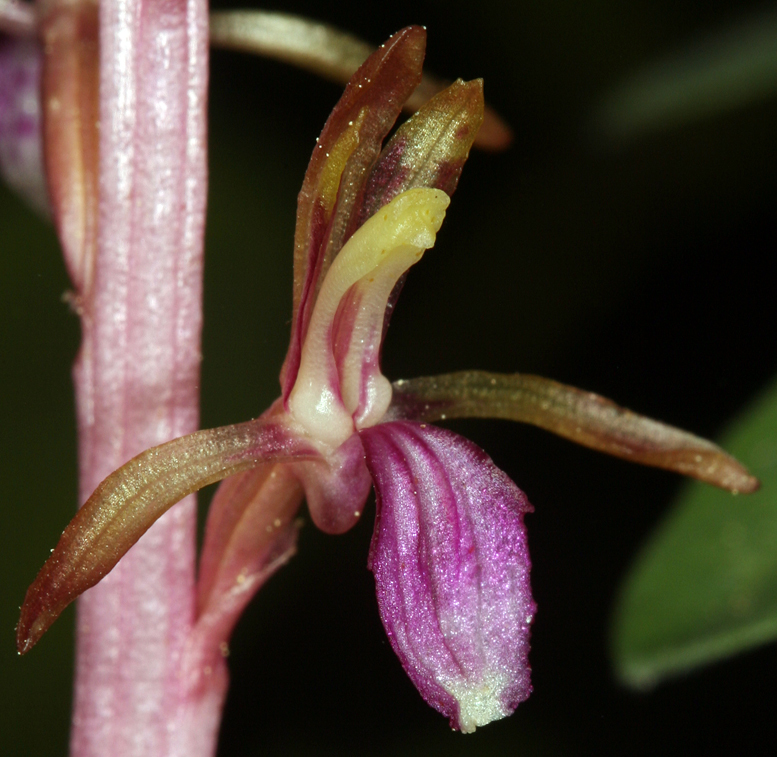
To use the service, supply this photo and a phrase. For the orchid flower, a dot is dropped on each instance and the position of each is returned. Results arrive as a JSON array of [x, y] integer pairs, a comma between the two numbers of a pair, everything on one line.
[[120, 106], [449, 551]]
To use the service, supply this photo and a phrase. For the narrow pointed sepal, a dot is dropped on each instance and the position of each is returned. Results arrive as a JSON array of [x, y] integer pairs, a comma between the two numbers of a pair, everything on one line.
[[251, 532], [311, 45], [71, 115], [250, 520], [130, 500], [451, 566], [577, 415]]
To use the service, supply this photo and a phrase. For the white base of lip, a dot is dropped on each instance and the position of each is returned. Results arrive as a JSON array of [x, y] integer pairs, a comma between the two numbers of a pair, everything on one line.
[[479, 705]]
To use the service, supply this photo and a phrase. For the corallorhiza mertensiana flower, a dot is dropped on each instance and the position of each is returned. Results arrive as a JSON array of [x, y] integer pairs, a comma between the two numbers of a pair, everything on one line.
[[449, 551]]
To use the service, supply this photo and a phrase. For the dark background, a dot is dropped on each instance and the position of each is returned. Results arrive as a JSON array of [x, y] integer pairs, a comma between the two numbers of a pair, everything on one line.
[[642, 269]]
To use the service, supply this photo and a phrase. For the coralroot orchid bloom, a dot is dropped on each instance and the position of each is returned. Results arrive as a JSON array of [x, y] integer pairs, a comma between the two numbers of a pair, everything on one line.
[[449, 551]]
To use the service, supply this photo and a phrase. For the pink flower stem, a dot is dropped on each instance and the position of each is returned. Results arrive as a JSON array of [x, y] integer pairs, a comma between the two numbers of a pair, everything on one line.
[[137, 378]]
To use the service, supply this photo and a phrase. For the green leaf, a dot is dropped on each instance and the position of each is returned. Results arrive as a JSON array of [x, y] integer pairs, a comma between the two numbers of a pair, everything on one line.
[[705, 585]]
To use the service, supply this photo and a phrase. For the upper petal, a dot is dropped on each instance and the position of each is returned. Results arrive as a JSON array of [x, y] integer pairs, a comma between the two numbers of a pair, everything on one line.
[[451, 565], [347, 147], [132, 498], [428, 150]]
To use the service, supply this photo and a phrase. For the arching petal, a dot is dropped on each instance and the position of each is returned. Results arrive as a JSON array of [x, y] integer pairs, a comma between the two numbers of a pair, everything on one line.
[[451, 566], [429, 149]]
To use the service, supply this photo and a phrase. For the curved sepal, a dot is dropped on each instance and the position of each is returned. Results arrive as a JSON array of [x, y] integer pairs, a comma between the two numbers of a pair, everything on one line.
[[130, 500], [251, 532], [248, 514], [582, 417], [451, 566]]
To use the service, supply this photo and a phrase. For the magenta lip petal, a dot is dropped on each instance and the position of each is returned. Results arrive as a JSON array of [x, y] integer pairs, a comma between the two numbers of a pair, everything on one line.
[[451, 565]]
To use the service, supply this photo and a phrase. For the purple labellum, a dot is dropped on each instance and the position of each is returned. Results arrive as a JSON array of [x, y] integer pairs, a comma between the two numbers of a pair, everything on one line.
[[451, 565]]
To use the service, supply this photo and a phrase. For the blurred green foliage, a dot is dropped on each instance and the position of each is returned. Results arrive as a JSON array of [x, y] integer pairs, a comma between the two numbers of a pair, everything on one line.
[[705, 586], [642, 270], [718, 71]]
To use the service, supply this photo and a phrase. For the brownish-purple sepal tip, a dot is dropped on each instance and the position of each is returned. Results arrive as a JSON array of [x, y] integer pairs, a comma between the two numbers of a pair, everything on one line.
[[493, 136]]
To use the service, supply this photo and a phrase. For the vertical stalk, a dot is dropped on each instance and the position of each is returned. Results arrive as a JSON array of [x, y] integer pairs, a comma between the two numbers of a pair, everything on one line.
[[137, 374]]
